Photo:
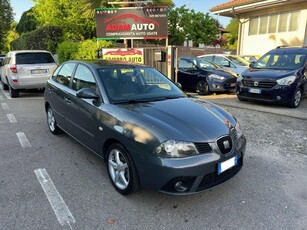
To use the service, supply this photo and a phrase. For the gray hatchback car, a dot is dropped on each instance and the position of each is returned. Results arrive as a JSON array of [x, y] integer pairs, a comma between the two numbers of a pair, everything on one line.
[[148, 131]]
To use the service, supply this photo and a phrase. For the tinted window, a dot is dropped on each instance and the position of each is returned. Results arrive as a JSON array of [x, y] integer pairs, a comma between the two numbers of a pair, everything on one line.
[[208, 58], [83, 78], [64, 75], [34, 58], [185, 64], [288, 61]]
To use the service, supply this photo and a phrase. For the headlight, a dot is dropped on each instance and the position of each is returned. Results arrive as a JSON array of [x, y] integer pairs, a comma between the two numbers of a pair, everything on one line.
[[218, 77], [173, 148], [239, 130], [286, 80]]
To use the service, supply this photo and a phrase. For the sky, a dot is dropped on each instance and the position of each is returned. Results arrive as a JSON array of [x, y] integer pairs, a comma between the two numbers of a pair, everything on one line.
[[20, 6]]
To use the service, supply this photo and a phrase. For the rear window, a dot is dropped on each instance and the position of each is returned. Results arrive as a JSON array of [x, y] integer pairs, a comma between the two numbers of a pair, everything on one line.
[[34, 58]]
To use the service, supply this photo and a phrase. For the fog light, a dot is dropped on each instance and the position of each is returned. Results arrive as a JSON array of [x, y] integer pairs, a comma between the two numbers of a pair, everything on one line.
[[278, 98], [238, 92], [179, 187]]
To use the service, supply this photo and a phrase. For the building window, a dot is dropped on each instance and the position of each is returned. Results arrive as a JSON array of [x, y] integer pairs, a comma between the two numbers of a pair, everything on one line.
[[282, 22], [253, 26], [263, 25], [293, 24], [273, 23]]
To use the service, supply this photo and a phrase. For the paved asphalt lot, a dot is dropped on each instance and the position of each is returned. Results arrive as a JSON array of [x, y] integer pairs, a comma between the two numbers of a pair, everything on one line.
[[270, 192]]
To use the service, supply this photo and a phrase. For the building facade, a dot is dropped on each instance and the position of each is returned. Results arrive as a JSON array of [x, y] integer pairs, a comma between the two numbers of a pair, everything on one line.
[[266, 24]]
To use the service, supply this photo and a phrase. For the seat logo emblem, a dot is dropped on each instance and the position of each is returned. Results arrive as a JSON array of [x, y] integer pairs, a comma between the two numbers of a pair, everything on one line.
[[226, 144], [256, 83]]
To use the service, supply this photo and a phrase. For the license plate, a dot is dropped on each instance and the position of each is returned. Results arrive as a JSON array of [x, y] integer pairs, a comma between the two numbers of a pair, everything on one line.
[[38, 71], [254, 90], [225, 165]]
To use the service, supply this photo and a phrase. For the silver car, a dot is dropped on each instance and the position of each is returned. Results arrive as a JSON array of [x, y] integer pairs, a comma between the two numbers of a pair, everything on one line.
[[26, 69], [234, 63]]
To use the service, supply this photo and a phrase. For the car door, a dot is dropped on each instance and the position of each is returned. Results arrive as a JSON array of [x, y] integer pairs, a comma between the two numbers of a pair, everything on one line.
[[60, 88], [187, 74], [83, 112]]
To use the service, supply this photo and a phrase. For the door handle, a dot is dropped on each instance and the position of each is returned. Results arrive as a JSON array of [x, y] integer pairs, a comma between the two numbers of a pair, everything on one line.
[[67, 100]]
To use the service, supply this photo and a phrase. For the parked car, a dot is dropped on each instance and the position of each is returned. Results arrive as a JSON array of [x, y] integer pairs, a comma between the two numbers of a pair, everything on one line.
[[279, 76], [26, 69], [234, 63], [250, 58], [147, 130], [2, 57], [204, 77]]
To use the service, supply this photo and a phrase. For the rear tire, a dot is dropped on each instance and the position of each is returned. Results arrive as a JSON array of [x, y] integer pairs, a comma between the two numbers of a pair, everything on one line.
[[52, 124], [296, 99], [202, 88], [122, 170], [4, 86], [13, 92]]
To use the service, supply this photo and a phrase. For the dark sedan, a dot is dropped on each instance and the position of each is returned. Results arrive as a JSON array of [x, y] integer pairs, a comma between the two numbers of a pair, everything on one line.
[[148, 131], [204, 77]]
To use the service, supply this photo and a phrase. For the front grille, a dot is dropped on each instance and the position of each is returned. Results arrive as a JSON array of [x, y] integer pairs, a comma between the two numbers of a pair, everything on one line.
[[234, 134], [267, 97], [203, 147], [213, 179], [259, 84], [225, 144]]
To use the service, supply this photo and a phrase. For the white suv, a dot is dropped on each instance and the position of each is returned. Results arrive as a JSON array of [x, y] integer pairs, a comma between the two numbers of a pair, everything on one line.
[[26, 69]]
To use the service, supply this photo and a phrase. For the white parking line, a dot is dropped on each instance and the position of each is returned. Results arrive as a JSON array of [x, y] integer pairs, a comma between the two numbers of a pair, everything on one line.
[[11, 118], [7, 95], [1, 98], [56, 201], [23, 140], [5, 106]]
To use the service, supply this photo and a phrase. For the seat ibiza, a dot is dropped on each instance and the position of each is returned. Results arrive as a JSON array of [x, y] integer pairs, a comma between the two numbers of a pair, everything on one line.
[[149, 132]]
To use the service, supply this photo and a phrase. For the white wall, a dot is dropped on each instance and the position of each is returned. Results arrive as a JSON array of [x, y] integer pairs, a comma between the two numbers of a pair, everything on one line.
[[260, 44]]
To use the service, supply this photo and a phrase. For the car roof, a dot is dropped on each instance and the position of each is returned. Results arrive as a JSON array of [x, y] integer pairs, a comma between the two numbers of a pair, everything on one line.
[[29, 51], [297, 50], [108, 63], [189, 58]]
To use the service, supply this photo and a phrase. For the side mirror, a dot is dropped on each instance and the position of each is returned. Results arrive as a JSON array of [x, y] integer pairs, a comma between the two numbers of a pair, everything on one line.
[[251, 65], [87, 93], [178, 85]]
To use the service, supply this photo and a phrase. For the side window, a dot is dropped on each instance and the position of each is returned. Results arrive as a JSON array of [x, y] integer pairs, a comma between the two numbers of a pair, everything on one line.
[[64, 74], [185, 64], [219, 61], [83, 78], [208, 58]]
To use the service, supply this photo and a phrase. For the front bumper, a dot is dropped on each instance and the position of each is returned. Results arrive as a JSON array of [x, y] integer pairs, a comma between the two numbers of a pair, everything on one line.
[[228, 85], [277, 94], [194, 174]]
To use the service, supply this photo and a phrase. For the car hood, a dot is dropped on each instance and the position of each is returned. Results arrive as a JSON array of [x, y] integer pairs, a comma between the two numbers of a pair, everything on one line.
[[183, 119], [222, 72], [268, 73]]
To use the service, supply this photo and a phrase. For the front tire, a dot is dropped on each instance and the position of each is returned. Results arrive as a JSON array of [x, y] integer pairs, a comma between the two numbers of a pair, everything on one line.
[[122, 170], [52, 124], [296, 99], [202, 88]]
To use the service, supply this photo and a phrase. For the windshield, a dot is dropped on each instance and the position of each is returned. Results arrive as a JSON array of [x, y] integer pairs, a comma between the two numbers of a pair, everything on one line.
[[141, 84], [281, 61], [238, 60]]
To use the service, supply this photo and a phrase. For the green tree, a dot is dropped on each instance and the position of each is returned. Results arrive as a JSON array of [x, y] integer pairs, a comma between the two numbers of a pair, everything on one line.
[[6, 19], [185, 24], [27, 22], [11, 36], [232, 37], [179, 21], [68, 15], [202, 29]]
